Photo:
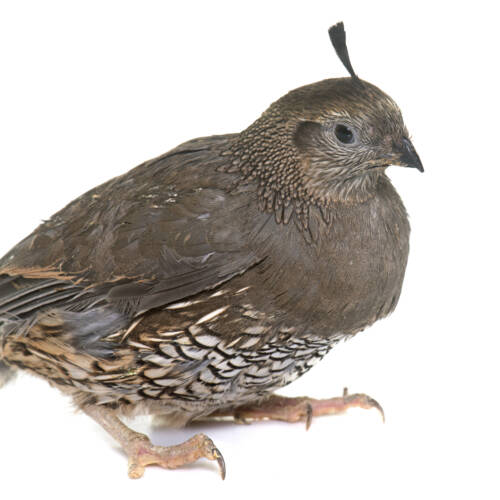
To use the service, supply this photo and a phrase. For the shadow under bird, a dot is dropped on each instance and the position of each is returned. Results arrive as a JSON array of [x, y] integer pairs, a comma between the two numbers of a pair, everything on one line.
[[201, 281]]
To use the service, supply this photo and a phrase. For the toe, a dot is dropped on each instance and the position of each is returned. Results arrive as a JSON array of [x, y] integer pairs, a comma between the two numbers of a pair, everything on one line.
[[135, 469]]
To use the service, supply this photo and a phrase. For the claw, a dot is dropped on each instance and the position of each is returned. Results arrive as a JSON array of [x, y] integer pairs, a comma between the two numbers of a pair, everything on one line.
[[309, 415], [213, 453], [363, 401], [240, 420], [220, 461], [375, 404]]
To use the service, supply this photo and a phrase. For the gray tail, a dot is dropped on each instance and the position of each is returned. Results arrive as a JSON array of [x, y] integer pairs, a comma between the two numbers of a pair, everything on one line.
[[6, 373]]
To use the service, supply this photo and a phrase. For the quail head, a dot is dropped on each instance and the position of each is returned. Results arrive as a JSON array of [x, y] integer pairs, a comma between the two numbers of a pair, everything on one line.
[[201, 281]]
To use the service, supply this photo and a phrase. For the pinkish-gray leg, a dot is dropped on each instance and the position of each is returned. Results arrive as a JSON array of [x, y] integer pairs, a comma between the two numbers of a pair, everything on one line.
[[298, 409], [141, 452]]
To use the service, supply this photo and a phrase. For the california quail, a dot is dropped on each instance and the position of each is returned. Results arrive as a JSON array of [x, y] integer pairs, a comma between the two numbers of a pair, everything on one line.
[[202, 280]]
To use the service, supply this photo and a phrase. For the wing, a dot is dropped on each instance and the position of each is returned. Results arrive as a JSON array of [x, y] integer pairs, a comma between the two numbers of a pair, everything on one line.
[[166, 230]]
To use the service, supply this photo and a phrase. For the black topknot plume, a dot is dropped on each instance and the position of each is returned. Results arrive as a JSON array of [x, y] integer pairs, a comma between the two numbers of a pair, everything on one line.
[[337, 36]]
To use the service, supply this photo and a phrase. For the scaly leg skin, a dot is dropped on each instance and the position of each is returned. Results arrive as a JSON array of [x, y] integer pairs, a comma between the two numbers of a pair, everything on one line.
[[141, 452], [298, 409]]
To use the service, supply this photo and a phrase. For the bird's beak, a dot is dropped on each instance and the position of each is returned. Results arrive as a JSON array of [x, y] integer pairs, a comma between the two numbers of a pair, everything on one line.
[[407, 156]]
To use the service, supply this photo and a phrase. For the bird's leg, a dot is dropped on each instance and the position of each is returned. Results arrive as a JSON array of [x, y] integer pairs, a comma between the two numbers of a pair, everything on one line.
[[141, 452], [297, 409]]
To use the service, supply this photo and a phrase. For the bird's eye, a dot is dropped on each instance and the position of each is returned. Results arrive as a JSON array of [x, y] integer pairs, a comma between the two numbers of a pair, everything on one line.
[[344, 134]]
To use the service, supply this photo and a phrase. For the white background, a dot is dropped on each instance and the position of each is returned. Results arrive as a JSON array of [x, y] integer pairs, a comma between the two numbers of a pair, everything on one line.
[[90, 89]]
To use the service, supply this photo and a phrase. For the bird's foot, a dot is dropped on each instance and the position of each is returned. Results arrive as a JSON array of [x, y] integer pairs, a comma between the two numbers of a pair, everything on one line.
[[301, 408], [141, 453]]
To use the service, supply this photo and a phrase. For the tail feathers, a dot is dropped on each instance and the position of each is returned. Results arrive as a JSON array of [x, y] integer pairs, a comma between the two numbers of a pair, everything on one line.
[[6, 373]]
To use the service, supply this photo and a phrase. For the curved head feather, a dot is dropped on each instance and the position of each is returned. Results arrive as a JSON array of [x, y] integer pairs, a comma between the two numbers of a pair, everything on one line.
[[337, 37]]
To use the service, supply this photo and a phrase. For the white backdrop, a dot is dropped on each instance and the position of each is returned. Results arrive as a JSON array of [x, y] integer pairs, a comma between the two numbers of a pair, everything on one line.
[[91, 89]]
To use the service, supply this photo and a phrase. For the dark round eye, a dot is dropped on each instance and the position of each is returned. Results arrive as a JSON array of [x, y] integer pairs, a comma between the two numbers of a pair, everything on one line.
[[344, 134]]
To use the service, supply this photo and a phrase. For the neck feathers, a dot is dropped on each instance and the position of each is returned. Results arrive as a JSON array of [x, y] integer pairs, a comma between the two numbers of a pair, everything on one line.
[[266, 157]]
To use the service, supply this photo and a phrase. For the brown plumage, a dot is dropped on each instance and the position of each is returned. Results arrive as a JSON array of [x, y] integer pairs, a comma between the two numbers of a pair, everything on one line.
[[202, 280]]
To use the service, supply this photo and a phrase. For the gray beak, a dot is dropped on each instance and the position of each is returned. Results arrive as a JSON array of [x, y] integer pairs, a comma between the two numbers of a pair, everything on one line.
[[408, 157]]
